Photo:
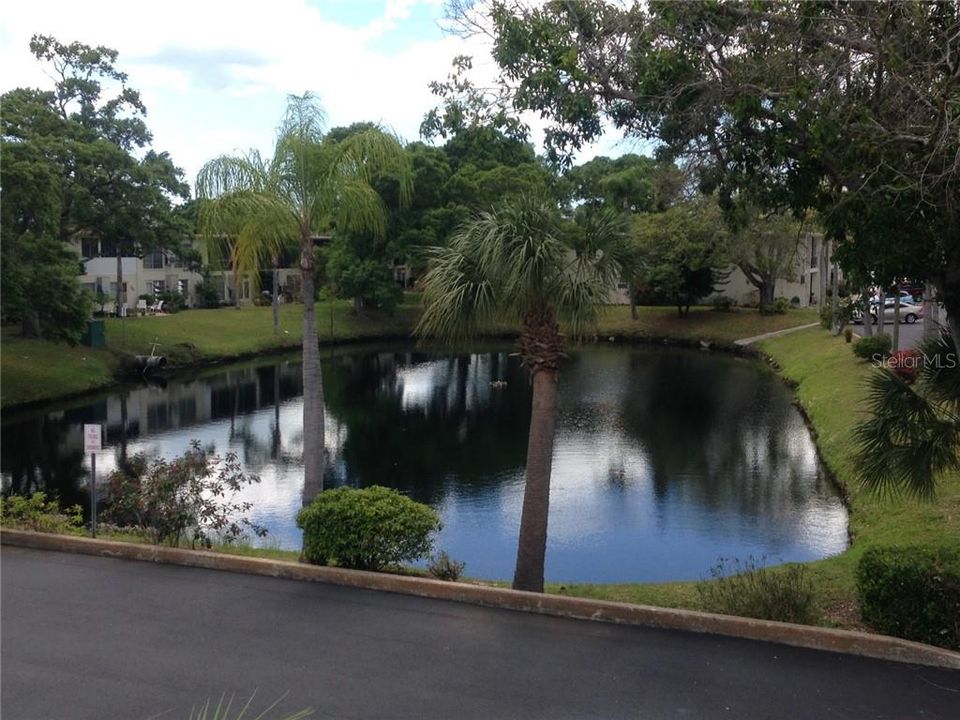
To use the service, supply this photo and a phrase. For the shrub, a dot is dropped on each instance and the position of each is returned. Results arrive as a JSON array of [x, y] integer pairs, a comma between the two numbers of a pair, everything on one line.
[[366, 529], [207, 296], [826, 316], [906, 363], [795, 301], [848, 334], [35, 512], [722, 303], [173, 301], [777, 307], [875, 347], [749, 590], [444, 567], [189, 497], [912, 592]]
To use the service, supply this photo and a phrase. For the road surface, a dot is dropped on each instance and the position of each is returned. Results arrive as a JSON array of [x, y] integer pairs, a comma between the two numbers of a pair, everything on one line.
[[88, 637]]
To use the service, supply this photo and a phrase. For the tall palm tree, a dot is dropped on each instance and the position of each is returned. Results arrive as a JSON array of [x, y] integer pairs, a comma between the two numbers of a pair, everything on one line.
[[518, 263], [263, 205]]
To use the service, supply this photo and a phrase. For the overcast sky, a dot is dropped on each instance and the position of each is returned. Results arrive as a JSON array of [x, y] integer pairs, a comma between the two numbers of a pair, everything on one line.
[[215, 75]]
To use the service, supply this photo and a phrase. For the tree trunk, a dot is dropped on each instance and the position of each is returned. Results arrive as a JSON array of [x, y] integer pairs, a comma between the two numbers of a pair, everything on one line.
[[532, 548], [896, 320], [881, 311], [633, 302], [822, 272], [865, 311], [30, 325], [767, 288], [119, 282], [312, 381], [276, 301], [834, 299], [929, 312]]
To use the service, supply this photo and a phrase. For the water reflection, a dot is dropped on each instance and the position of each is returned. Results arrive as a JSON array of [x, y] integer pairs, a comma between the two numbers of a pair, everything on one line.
[[664, 459]]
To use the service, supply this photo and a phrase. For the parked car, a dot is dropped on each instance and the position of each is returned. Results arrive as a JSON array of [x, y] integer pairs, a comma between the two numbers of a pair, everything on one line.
[[910, 312]]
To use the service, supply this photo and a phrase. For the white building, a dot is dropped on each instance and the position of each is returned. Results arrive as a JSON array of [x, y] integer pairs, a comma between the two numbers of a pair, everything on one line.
[[808, 282], [149, 275]]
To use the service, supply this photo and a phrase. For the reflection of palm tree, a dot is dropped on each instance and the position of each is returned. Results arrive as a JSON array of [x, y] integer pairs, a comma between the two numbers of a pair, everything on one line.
[[275, 440], [512, 262]]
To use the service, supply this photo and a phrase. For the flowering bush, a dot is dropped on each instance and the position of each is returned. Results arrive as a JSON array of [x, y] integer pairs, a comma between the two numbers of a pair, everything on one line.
[[905, 363]]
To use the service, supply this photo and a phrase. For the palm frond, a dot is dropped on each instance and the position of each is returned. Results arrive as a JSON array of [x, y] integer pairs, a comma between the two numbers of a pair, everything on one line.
[[907, 442], [940, 370], [456, 296], [507, 262], [372, 152]]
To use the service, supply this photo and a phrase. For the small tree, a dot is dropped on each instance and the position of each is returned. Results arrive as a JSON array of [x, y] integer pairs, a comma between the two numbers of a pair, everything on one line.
[[41, 289], [679, 252]]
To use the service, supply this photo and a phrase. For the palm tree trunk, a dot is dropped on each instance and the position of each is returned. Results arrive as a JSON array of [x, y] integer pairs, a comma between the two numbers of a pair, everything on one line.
[[834, 298], [633, 301], [532, 548], [276, 300], [896, 320], [929, 312], [119, 282], [312, 381]]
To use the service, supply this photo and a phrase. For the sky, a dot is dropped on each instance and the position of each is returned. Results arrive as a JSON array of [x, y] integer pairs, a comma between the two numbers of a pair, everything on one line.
[[214, 76]]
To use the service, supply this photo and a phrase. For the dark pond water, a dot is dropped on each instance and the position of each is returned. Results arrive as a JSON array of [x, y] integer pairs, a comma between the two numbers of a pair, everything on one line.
[[665, 459]]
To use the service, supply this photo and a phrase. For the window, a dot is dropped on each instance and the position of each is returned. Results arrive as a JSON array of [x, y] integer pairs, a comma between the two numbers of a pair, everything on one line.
[[158, 286], [183, 287], [153, 261]]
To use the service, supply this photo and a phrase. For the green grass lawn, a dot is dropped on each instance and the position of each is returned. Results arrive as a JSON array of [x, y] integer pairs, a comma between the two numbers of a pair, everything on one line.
[[34, 370]]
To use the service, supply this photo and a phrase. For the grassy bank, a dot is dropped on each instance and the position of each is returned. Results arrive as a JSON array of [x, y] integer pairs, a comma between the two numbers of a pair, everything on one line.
[[34, 370]]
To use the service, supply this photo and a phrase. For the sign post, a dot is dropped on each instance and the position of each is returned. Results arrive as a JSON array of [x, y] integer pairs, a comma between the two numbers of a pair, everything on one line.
[[92, 444]]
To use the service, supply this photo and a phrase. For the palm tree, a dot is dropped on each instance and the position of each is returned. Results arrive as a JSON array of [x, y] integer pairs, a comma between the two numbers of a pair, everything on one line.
[[516, 263], [264, 205], [912, 437]]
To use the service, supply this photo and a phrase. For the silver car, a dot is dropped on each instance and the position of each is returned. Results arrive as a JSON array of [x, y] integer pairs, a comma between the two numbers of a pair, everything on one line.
[[910, 312]]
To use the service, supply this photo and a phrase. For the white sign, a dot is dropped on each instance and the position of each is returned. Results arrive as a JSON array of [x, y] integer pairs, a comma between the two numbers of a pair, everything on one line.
[[91, 438]]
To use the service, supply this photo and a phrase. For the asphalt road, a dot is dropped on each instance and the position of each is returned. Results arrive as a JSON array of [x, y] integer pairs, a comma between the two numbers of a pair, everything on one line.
[[86, 637]]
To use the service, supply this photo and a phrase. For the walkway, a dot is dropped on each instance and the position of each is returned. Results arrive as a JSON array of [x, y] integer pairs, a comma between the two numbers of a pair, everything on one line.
[[88, 637], [778, 333]]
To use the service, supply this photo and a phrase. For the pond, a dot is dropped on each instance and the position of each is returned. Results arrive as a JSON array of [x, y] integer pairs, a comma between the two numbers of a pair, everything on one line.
[[665, 459]]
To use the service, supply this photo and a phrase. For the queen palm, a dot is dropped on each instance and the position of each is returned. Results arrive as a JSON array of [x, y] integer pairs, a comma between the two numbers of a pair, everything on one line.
[[518, 263], [262, 206]]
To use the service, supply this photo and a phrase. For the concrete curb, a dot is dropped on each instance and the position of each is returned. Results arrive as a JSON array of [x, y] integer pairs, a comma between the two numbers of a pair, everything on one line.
[[776, 333], [839, 641]]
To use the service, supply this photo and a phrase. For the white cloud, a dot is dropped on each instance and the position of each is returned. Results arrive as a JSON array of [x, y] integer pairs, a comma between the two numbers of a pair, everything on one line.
[[214, 75]]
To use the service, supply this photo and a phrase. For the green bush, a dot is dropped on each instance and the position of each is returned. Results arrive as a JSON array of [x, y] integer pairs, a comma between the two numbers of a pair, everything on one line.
[[35, 512], [444, 567], [722, 303], [826, 316], [912, 592], [366, 529], [777, 307], [873, 347], [749, 590]]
